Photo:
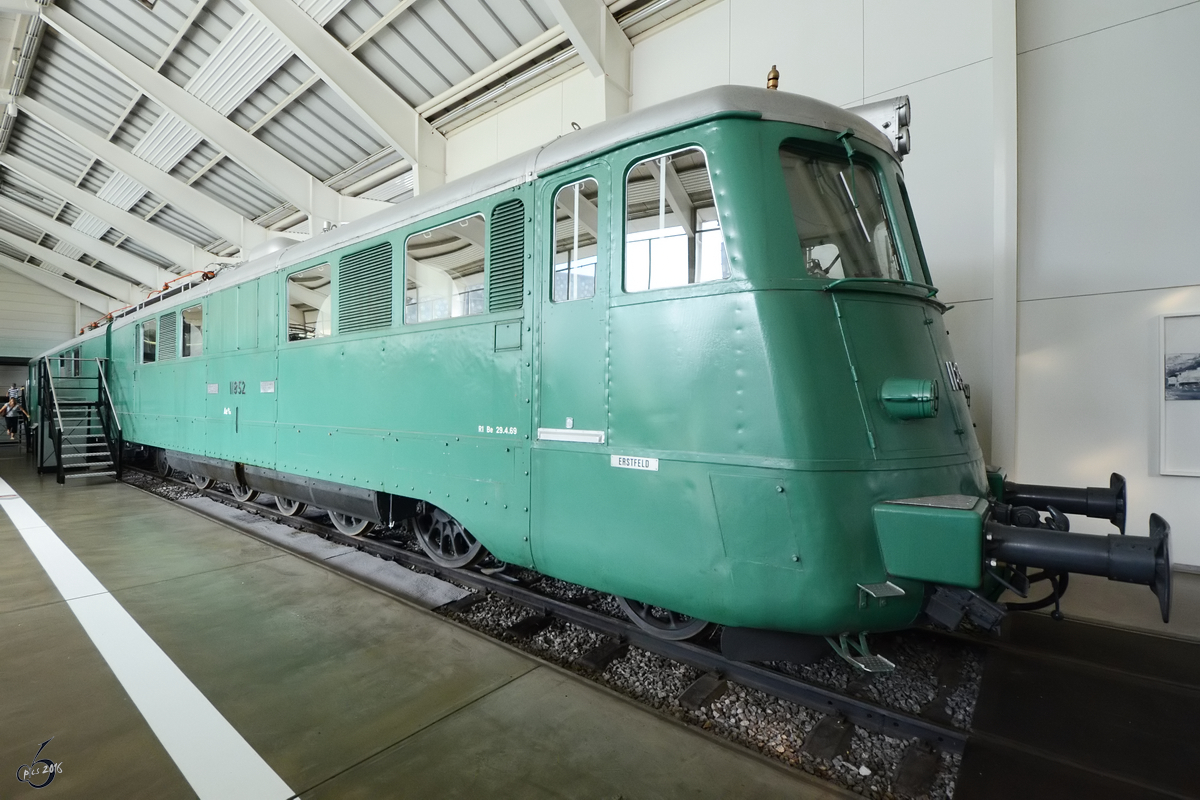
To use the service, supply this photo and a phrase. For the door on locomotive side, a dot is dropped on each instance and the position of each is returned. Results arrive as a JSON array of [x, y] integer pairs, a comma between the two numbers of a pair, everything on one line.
[[241, 359], [572, 401]]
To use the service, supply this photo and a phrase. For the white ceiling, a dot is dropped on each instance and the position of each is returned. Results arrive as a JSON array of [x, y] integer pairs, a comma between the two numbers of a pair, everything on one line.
[[144, 140]]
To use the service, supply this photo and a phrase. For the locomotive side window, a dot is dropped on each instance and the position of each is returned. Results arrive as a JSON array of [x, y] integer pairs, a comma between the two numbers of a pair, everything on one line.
[[193, 331], [309, 304], [576, 230], [443, 271], [840, 218], [149, 340], [672, 231]]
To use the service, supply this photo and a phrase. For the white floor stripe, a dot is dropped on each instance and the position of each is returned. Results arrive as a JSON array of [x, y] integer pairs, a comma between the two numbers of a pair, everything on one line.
[[211, 754]]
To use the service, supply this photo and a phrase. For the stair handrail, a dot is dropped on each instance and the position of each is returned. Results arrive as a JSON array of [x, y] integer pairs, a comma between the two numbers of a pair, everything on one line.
[[54, 396], [116, 443], [55, 435], [107, 394]]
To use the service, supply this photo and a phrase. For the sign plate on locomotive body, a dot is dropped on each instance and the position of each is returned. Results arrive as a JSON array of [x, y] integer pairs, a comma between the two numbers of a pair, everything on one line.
[[635, 462]]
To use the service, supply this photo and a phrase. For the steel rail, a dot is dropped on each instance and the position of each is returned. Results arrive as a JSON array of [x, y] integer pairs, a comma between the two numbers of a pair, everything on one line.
[[867, 715]]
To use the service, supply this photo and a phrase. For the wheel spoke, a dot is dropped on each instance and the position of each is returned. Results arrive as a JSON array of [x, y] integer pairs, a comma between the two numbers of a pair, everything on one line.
[[662, 622], [445, 540]]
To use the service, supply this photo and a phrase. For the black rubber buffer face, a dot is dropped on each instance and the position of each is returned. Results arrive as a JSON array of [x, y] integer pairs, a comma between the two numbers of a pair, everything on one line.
[[1160, 532]]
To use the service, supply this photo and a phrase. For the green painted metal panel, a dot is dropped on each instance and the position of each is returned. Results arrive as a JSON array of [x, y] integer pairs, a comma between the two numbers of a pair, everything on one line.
[[879, 333], [508, 335], [247, 316], [756, 523], [939, 545]]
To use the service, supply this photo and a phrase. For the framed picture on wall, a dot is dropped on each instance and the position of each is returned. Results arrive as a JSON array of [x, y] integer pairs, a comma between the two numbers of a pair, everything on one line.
[[1179, 393]]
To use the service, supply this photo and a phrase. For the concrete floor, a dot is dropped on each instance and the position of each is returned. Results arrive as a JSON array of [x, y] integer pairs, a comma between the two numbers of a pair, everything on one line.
[[1124, 605], [342, 691]]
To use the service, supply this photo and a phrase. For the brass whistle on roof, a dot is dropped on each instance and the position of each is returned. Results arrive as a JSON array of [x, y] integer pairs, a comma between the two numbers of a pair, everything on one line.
[[773, 77]]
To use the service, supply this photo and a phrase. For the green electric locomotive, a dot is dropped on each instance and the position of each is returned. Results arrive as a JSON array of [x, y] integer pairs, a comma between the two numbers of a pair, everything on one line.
[[692, 357]]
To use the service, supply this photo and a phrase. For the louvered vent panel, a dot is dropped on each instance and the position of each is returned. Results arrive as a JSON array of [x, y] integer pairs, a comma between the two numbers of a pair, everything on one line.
[[365, 289], [507, 281], [166, 336]]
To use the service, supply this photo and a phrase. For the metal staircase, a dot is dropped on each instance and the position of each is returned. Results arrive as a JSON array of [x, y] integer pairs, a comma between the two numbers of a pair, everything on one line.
[[79, 433]]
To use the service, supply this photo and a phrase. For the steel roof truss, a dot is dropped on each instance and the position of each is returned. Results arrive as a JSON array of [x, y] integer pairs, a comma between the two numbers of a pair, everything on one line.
[[100, 280], [393, 119], [268, 165], [129, 265], [159, 239], [223, 221]]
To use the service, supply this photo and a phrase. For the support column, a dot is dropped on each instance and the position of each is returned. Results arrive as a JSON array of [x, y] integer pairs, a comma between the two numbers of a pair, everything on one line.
[[1004, 226]]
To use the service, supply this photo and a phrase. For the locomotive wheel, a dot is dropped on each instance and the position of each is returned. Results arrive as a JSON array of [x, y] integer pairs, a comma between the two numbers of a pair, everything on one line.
[[290, 508], [203, 483], [660, 622], [351, 526], [445, 540], [243, 494], [160, 464]]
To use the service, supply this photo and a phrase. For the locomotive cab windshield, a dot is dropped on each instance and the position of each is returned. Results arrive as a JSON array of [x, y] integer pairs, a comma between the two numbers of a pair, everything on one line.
[[840, 217]]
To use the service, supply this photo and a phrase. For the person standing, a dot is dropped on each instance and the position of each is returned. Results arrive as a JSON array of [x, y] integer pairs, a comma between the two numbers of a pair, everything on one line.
[[12, 415], [15, 392]]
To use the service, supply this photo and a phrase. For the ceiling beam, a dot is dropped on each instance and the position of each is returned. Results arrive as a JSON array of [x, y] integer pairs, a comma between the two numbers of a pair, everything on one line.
[[20, 7], [162, 241], [676, 195], [73, 291], [223, 221], [386, 112], [132, 267], [589, 215], [98, 279], [289, 181], [602, 45]]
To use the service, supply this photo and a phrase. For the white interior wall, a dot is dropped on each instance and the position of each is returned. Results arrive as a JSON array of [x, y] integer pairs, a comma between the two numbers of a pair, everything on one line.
[[1108, 210], [32, 318], [1103, 206]]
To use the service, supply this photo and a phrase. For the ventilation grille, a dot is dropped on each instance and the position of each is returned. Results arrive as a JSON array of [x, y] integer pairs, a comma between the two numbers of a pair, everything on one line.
[[507, 257], [365, 289], [166, 337]]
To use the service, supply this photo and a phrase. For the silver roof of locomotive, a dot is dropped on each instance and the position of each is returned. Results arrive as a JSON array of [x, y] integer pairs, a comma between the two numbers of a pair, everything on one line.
[[718, 100], [771, 105]]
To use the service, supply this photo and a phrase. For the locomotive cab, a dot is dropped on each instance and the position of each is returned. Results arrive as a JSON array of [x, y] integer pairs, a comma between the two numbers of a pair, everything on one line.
[[786, 437]]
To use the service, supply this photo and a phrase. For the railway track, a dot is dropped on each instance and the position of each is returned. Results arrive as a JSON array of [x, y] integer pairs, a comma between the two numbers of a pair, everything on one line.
[[842, 711]]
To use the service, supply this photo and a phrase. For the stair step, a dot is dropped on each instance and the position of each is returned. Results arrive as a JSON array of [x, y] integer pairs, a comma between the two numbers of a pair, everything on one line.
[[77, 456], [71, 475]]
